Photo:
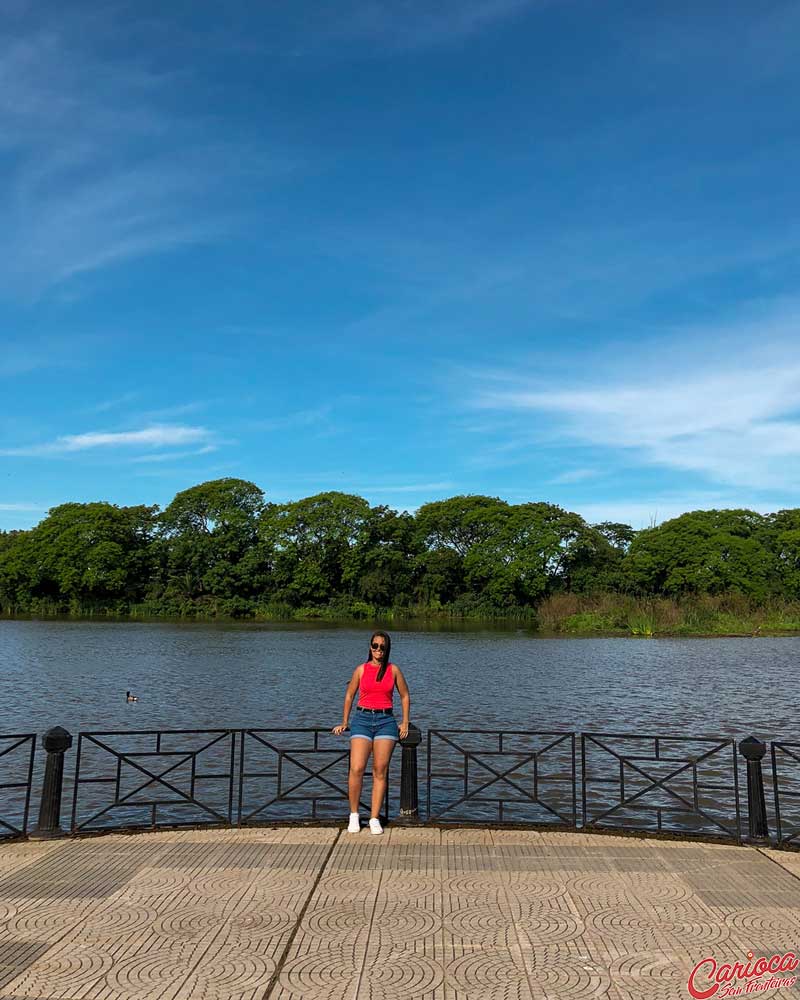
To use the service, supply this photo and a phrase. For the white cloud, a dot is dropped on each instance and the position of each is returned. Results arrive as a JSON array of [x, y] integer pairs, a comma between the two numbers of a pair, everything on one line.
[[99, 165], [26, 507], [414, 25], [155, 436], [731, 414], [573, 476], [169, 456]]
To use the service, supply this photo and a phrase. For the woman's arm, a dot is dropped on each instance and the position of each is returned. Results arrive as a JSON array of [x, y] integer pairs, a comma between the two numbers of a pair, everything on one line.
[[405, 701], [349, 694]]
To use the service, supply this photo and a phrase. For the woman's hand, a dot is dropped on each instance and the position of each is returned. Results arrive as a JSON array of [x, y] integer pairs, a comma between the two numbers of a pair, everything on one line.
[[403, 730], [338, 730]]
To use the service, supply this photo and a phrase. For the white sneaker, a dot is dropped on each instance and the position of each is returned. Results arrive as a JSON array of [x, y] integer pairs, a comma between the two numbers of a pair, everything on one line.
[[375, 826], [354, 826]]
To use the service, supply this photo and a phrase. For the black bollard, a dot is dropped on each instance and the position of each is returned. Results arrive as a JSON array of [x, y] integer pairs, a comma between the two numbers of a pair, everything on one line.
[[753, 751], [409, 786], [56, 742]]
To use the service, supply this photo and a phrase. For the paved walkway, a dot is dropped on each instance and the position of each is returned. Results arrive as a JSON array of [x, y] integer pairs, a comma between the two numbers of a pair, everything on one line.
[[458, 914]]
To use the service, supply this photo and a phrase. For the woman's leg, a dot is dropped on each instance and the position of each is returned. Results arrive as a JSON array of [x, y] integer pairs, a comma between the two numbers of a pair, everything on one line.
[[381, 755], [359, 755]]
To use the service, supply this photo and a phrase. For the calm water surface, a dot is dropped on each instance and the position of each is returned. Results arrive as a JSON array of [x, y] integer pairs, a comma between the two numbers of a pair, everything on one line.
[[75, 674]]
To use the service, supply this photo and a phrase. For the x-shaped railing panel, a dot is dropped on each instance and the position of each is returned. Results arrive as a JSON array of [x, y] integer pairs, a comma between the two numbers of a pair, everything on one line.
[[17, 751], [217, 746], [669, 769], [786, 791], [489, 765], [302, 773]]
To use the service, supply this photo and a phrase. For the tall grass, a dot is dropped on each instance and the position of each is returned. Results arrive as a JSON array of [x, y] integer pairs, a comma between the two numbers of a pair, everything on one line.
[[724, 614]]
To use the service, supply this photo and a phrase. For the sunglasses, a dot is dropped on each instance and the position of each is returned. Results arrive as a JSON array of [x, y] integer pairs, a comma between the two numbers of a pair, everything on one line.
[[376, 645]]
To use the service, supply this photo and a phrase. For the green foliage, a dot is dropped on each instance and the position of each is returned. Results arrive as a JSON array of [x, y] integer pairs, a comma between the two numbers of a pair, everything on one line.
[[528, 552], [80, 554], [704, 552], [220, 550]]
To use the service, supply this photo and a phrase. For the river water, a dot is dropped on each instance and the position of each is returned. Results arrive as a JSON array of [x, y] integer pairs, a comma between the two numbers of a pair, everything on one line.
[[253, 676], [75, 674]]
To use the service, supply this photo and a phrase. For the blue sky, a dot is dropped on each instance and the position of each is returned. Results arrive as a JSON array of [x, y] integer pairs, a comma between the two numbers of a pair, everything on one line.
[[541, 250]]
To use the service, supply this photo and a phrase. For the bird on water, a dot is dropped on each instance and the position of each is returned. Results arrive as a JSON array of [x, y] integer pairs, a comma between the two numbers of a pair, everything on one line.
[[130, 697]]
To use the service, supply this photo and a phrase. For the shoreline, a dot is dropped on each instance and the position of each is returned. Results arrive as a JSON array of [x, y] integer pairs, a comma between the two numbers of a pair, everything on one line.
[[431, 623]]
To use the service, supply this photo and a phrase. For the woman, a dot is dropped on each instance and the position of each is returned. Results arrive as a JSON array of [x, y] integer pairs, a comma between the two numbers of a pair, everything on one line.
[[374, 727]]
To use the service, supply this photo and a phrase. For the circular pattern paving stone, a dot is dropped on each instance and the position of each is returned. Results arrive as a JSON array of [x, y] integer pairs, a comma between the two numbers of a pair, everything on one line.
[[404, 975], [265, 923], [187, 923], [347, 886], [69, 969], [481, 886], [573, 978], [157, 881], [232, 972], [401, 922], [329, 972], [337, 923], [610, 888], [409, 885], [624, 926], [146, 975], [120, 917], [649, 974], [487, 975], [766, 927], [553, 927], [480, 926]]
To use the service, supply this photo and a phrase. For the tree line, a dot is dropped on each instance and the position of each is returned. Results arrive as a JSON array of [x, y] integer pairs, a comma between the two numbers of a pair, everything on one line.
[[220, 548]]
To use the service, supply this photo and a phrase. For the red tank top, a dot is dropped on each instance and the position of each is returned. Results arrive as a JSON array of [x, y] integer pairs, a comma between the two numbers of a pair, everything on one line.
[[374, 694]]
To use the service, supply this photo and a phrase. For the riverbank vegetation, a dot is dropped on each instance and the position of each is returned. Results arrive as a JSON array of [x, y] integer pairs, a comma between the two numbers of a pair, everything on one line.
[[221, 550]]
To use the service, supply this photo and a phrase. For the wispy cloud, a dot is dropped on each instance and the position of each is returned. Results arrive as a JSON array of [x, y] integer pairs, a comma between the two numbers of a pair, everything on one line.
[[171, 456], [574, 476], [153, 437], [735, 423], [412, 24], [114, 403], [22, 507], [100, 166], [295, 419]]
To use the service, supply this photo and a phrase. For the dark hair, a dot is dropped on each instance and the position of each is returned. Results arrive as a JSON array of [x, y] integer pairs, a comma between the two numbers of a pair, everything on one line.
[[385, 664]]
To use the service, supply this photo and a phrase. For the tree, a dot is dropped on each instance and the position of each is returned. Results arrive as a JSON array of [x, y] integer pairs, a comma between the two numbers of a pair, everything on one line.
[[705, 552], [313, 541], [459, 523], [527, 553], [783, 535], [87, 553], [209, 534], [616, 534]]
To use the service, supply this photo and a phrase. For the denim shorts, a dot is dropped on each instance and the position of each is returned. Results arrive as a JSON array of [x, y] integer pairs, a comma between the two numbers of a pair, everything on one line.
[[373, 726]]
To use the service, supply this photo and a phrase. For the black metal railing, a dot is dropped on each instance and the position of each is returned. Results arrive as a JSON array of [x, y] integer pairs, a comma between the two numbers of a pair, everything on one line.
[[293, 774], [17, 752], [661, 783], [190, 777], [786, 791], [501, 776], [137, 778]]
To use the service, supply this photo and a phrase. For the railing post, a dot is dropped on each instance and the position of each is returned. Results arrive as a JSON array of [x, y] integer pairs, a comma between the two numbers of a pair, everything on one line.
[[56, 742], [753, 751], [409, 785]]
